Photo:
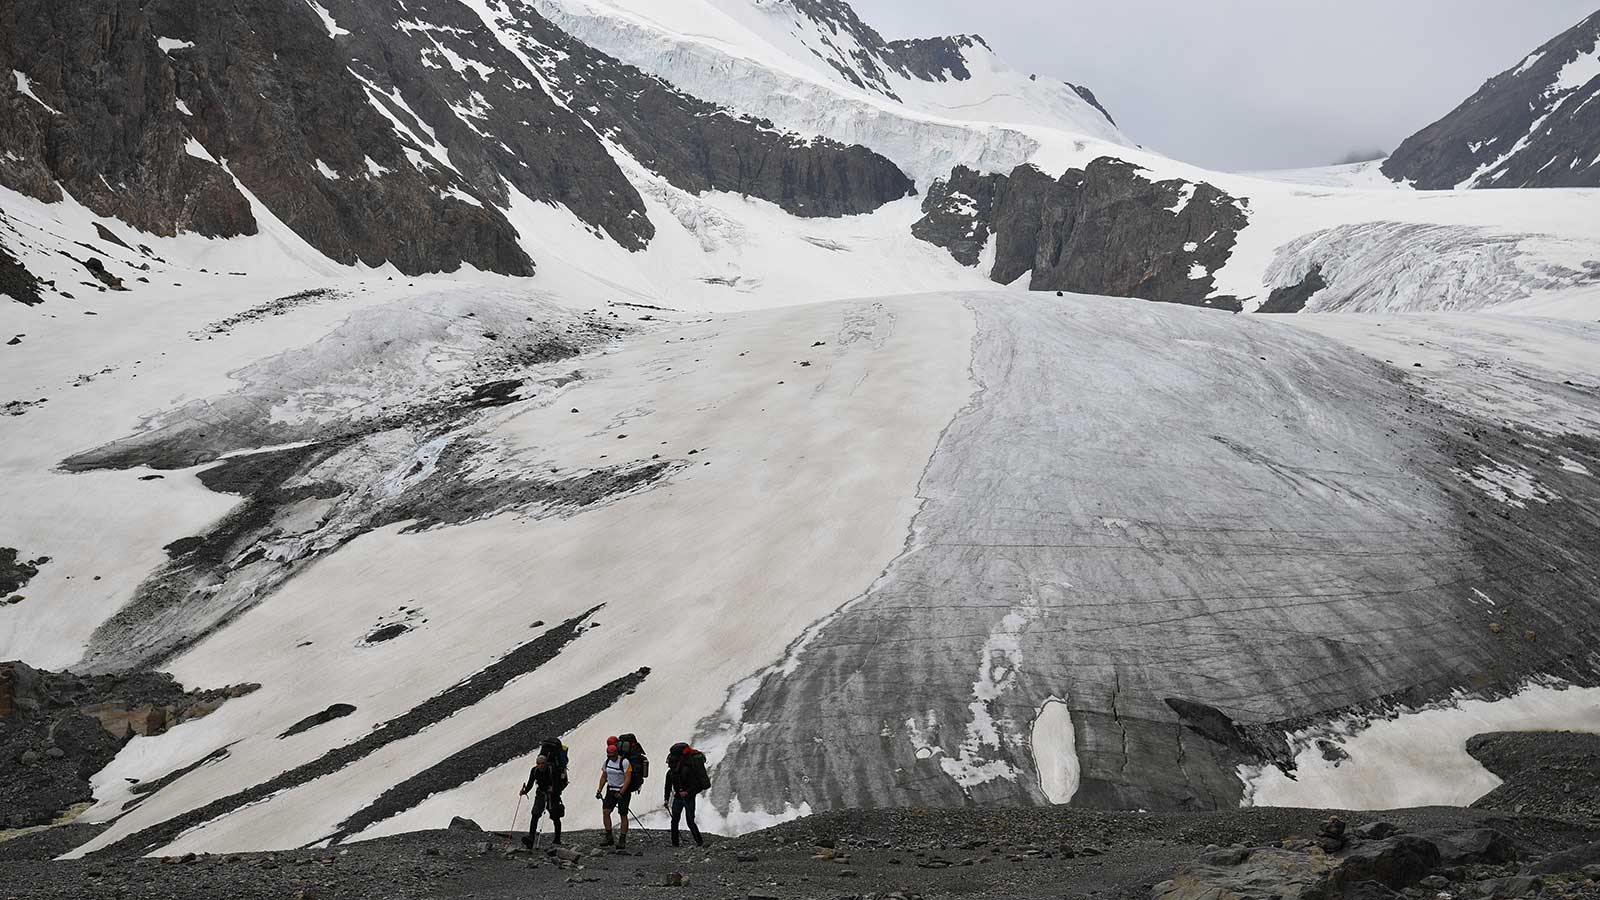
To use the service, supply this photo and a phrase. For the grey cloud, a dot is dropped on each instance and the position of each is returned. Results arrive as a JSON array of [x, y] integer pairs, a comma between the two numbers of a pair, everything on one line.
[[1253, 84]]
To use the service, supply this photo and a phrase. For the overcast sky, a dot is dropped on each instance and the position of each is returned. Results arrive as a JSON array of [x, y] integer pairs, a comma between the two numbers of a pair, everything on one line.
[[1250, 84]]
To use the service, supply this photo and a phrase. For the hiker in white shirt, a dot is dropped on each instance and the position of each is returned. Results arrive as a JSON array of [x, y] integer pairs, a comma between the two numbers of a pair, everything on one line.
[[616, 778]]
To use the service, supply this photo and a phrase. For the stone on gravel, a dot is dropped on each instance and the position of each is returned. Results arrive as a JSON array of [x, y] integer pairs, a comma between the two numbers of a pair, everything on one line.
[[460, 824], [1224, 856], [1511, 887]]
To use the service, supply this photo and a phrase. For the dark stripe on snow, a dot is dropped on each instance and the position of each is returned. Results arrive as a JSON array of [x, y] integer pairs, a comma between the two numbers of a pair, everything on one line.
[[463, 766], [463, 694]]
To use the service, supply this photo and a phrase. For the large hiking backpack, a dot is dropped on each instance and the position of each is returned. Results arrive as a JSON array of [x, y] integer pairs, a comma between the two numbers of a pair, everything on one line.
[[688, 767], [629, 749], [692, 774], [555, 753]]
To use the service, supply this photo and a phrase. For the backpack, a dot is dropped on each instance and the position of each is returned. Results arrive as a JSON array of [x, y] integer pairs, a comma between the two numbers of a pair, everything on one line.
[[691, 774], [629, 749], [555, 753]]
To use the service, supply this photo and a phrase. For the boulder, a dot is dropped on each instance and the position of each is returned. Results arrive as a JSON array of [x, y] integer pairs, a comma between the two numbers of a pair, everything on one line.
[[1473, 846], [1397, 862], [460, 824], [1375, 831], [1268, 871], [1573, 860]]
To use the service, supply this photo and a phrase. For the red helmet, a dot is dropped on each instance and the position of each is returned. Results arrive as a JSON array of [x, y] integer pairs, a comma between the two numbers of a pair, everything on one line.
[[611, 741]]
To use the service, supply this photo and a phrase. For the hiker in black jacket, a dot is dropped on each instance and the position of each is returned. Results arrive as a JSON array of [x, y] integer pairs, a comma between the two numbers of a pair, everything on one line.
[[546, 781], [686, 778]]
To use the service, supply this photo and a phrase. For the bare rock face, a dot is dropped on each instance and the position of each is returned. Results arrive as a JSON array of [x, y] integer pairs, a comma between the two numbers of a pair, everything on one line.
[[1530, 126], [103, 121], [1105, 229], [380, 131], [16, 281], [57, 729]]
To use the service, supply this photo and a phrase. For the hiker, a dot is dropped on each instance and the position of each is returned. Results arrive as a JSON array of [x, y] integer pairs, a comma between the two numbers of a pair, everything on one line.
[[547, 779], [616, 784], [686, 778]]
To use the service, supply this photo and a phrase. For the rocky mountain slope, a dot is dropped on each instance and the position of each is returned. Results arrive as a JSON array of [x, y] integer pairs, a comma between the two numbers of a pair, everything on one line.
[[1534, 125], [377, 132]]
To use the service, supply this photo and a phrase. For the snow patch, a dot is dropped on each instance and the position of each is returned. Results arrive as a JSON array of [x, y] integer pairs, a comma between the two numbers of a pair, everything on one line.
[[1511, 485], [24, 86], [463, 196], [168, 45], [327, 19], [987, 256], [182, 107], [1577, 73], [1529, 63], [1415, 758], [374, 170], [327, 171], [1197, 272], [997, 673], [1572, 465], [1185, 194], [1055, 753], [196, 149]]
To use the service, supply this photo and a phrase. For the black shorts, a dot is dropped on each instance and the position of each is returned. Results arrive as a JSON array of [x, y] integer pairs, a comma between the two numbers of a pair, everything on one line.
[[615, 800]]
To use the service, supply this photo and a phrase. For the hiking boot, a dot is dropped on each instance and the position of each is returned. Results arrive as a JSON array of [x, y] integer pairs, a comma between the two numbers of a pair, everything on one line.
[[675, 841], [608, 841], [529, 842], [699, 841], [622, 842]]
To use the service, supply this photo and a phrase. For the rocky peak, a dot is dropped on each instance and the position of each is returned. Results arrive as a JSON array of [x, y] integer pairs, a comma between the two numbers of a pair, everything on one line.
[[1533, 125]]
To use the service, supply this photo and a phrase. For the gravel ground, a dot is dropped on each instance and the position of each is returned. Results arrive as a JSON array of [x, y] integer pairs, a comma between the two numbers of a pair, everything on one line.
[[971, 853]]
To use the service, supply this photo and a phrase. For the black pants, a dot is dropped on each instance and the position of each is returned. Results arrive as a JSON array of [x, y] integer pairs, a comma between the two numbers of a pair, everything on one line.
[[542, 801], [684, 806]]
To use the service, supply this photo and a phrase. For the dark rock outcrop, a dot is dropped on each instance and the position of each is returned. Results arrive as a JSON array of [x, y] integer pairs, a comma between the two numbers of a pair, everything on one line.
[[335, 711], [1531, 126], [1294, 298], [103, 121], [15, 572], [1104, 229], [57, 729], [16, 281]]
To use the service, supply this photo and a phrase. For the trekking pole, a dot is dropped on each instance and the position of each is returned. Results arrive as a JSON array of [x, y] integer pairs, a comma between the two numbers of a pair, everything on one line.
[[512, 832], [640, 824]]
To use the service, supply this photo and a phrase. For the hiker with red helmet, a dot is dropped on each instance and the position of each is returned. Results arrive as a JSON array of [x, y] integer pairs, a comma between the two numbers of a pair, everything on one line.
[[686, 778], [616, 784]]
